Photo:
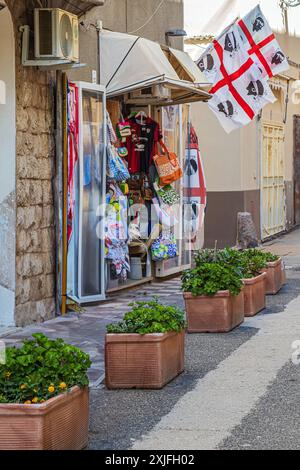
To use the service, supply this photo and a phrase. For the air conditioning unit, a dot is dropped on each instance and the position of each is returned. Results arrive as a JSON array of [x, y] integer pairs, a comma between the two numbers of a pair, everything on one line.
[[150, 94], [56, 34]]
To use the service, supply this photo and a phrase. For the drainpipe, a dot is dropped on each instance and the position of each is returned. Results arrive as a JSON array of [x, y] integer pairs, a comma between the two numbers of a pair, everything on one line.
[[99, 28]]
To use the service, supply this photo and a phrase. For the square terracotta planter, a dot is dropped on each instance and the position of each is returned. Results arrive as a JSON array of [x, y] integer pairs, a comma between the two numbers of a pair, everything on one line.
[[60, 423], [218, 314], [143, 361], [255, 294], [275, 277]]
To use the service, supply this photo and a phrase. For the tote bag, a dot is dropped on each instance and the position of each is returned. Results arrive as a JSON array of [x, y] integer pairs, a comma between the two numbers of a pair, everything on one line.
[[116, 168], [164, 247], [167, 166]]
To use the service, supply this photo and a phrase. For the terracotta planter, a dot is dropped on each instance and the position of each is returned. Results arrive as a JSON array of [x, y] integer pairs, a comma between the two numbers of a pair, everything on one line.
[[143, 361], [283, 274], [217, 314], [275, 277], [60, 423], [255, 294]]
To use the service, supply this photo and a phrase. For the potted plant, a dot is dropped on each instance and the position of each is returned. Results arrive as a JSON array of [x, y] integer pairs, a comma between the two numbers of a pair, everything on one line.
[[145, 349], [275, 271], [214, 297], [254, 280], [44, 399]]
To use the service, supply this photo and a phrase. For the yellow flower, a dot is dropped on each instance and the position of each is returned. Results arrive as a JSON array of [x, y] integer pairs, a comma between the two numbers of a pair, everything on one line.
[[35, 400], [51, 389], [7, 375], [23, 386], [27, 402], [42, 401], [62, 385]]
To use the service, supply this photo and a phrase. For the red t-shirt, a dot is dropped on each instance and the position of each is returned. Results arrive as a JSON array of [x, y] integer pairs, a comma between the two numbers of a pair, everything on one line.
[[142, 144]]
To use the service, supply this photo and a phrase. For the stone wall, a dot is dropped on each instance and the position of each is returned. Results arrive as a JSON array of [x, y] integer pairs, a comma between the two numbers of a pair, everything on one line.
[[35, 156]]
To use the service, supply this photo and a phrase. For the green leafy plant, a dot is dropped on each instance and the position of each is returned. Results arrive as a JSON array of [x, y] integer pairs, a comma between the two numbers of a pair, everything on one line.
[[41, 369], [270, 257], [149, 317], [209, 278], [254, 261], [249, 263]]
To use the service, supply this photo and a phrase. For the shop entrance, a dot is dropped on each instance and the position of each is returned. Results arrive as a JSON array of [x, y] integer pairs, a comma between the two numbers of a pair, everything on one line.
[[7, 169], [273, 188]]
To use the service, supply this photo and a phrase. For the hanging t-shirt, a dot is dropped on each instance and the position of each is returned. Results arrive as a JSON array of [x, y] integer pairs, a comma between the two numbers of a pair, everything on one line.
[[142, 144]]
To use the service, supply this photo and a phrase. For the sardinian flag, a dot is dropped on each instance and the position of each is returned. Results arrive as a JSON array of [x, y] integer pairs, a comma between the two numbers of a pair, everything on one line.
[[261, 43], [239, 90]]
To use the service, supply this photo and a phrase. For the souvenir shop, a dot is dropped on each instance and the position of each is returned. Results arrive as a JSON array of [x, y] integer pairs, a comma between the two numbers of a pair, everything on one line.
[[136, 191]]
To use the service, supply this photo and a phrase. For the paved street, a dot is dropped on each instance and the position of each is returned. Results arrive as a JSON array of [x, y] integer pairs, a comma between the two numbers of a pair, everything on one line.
[[239, 390]]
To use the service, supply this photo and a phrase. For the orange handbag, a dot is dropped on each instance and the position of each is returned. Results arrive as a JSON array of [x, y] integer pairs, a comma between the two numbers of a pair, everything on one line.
[[167, 166]]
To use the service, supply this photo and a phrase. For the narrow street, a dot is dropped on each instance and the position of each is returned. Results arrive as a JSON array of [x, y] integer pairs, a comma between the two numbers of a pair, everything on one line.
[[239, 390]]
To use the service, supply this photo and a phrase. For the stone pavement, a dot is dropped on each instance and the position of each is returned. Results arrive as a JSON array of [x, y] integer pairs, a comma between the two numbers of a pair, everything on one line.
[[87, 329], [239, 390]]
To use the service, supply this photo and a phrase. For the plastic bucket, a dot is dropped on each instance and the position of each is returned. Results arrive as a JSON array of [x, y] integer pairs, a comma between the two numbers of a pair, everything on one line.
[[136, 272]]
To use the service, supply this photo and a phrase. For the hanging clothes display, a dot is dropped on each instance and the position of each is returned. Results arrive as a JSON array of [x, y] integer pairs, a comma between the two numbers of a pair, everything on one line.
[[116, 231], [142, 136], [195, 195], [73, 136]]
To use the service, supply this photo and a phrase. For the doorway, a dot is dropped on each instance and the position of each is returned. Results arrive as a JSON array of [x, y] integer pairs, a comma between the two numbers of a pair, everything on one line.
[[273, 185], [297, 168]]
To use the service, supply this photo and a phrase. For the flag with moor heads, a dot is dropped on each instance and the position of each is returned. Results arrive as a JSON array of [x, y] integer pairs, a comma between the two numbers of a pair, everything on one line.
[[261, 43], [239, 89]]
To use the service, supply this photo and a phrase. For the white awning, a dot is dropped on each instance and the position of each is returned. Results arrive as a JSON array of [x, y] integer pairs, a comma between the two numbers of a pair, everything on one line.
[[129, 63]]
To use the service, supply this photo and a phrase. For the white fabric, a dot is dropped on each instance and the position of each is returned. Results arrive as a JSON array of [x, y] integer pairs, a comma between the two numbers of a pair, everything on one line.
[[260, 29], [189, 66], [144, 61], [250, 86]]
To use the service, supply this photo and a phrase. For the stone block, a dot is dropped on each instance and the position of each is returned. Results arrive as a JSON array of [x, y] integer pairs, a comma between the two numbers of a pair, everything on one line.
[[48, 216], [24, 143], [29, 217], [23, 290], [48, 240], [29, 193], [29, 241], [30, 264], [22, 120], [49, 262], [34, 312], [47, 192]]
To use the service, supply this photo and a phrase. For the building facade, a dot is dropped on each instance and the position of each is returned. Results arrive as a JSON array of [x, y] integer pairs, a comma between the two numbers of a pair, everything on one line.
[[28, 158], [254, 169]]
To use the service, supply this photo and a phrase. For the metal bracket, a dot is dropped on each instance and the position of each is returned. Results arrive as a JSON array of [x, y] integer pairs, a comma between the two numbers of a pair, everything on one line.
[[42, 64]]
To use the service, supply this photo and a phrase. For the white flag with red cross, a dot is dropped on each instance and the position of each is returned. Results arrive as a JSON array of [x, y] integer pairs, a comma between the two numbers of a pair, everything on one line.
[[239, 90], [261, 43]]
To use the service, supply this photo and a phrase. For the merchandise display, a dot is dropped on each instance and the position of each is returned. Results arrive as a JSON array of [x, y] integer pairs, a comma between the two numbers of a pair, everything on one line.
[[134, 170]]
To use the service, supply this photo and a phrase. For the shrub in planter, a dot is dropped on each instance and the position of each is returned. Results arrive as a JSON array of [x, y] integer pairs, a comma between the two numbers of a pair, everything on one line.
[[44, 396], [214, 297], [146, 349], [275, 272], [254, 280]]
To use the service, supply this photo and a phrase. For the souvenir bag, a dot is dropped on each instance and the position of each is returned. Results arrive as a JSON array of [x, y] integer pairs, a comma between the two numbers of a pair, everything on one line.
[[166, 214], [116, 167], [164, 247], [167, 165], [167, 194]]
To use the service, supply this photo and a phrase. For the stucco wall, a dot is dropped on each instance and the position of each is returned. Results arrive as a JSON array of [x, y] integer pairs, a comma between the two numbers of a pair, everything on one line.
[[35, 152], [127, 16], [7, 171]]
